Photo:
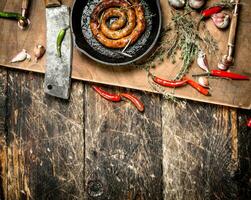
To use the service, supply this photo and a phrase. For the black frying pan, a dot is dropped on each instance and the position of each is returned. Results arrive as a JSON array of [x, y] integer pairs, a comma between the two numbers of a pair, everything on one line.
[[87, 44]]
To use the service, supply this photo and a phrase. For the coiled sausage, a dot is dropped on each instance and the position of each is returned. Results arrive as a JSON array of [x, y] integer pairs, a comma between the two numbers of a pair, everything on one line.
[[119, 33]]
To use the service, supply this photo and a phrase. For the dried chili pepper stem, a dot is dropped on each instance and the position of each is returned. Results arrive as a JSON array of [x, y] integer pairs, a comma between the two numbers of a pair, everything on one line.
[[108, 96], [60, 39], [136, 102], [169, 83]]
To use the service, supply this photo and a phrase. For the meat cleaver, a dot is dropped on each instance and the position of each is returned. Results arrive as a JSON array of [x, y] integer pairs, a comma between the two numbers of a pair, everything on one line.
[[58, 69]]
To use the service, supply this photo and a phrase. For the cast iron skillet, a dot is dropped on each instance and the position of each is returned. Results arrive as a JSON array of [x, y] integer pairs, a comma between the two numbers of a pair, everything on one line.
[[87, 44]]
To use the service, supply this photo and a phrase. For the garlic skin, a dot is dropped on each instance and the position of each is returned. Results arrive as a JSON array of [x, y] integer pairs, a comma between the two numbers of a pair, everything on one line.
[[202, 61], [222, 67], [39, 51], [177, 3], [21, 56], [196, 4], [221, 20], [203, 81]]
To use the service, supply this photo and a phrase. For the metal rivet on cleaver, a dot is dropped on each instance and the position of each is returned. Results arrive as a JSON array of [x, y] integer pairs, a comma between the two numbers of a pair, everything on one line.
[[58, 69]]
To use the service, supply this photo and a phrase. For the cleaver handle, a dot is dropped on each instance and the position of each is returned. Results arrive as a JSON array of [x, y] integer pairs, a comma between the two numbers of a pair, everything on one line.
[[52, 3]]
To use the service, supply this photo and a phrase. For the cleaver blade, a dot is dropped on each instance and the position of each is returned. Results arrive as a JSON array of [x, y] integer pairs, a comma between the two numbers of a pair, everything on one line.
[[58, 69]]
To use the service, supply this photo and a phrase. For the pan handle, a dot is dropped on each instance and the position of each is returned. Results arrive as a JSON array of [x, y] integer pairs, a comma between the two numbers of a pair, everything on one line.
[[159, 8], [158, 2]]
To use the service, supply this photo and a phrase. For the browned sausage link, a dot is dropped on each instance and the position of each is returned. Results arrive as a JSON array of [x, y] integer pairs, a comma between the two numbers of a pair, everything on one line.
[[119, 43], [115, 12], [123, 32]]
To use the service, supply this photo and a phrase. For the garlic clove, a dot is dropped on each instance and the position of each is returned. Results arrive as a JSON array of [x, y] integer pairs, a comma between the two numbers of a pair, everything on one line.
[[28, 57], [203, 81], [21, 56], [39, 51], [202, 61], [177, 3], [223, 67], [196, 4], [221, 20]]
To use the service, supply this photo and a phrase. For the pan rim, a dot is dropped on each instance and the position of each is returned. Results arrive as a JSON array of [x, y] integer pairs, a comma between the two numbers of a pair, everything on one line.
[[149, 49]]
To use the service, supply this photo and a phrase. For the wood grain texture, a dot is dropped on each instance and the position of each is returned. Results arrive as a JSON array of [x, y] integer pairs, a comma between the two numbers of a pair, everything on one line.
[[197, 152], [123, 149], [45, 141], [90, 148], [243, 175], [3, 152], [3, 98], [224, 92]]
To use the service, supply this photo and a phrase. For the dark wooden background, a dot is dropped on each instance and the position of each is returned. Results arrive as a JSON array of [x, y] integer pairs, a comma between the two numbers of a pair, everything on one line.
[[89, 148]]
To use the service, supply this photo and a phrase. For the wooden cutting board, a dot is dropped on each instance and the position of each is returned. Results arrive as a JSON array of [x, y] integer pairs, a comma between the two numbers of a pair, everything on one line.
[[224, 92]]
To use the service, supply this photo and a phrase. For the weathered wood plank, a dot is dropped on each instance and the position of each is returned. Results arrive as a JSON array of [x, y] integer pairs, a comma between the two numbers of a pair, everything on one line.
[[243, 175], [3, 155], [3, 98], [123, 149], [197, 148], [45, 141]]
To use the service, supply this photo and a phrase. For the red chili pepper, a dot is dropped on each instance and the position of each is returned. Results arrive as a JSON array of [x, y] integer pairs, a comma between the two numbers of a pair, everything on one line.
[[138, 104], [106, 95], [230, 75], [210, 11], [198, 87], [169, 83], [249, 123]]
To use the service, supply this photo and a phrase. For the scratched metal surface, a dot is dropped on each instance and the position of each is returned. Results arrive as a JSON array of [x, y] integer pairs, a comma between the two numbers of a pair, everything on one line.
[[58, 69]]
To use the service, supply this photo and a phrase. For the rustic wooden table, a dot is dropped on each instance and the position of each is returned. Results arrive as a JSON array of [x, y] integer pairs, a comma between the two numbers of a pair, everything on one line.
[[89, 148]]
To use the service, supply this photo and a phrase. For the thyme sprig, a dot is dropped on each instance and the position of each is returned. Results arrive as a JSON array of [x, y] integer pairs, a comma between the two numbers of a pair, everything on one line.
[[180, 37], [226, 4], [187, 42]]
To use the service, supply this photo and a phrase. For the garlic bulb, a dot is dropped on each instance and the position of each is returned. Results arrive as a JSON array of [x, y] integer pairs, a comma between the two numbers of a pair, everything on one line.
[[203, 81], [39, 51], [202, 61], [177, 3], [20, 56], [221, 20], [196, 4]]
